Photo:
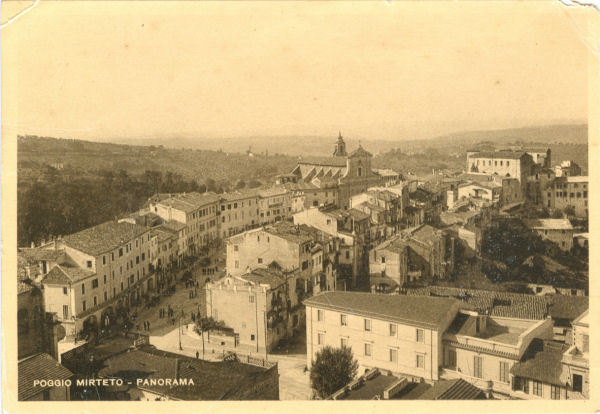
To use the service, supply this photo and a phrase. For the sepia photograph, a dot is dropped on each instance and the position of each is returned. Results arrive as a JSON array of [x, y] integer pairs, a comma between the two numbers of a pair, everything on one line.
[[298, 201]]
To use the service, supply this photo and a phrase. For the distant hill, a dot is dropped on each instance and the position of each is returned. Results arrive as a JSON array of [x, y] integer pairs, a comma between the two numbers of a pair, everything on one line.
[[90, 157], [542, 135], [323, 145]]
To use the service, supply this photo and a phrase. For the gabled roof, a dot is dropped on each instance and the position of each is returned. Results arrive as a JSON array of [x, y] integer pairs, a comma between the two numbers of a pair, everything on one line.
[[499, 154], [456, 389], [360, 152], [411, 310], [328, 161], [39, 367], [263, 276], [189, 202], [40, 254], [64, 275], [542, 362], [104, 237], [212, 380]]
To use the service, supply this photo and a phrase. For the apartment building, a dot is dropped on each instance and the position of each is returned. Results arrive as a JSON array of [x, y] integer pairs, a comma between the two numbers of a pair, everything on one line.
[[395, 333], [198, 212], [260, 306], [385, 208], [568, 193], [420, 252], [240, 211], [488, 191], [351, 227], [515, 164], [483, 349], [102, 266], [274, 204], [558, 231], [567, 168], [292, 247], [316, 193]]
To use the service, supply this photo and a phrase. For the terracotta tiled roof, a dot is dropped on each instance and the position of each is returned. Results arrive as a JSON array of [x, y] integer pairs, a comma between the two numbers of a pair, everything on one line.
[[542, 362], [64, 275], [499, 154], [212, 380], [511, 305], [38, 254], [38, 367], [418, 311], [457, 389], [270, 277], [104, 237], [329, 161]]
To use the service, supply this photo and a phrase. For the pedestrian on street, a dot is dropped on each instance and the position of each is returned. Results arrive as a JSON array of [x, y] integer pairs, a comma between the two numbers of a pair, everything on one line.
[[197, 354]]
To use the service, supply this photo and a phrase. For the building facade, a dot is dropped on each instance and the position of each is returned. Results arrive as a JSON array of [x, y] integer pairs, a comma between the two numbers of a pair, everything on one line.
[[399, 334]]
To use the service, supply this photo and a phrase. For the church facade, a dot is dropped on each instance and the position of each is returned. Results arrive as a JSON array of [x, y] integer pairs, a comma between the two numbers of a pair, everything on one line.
[[352, 173]]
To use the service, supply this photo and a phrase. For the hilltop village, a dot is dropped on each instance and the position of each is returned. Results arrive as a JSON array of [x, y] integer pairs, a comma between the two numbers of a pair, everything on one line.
[[452, 285]]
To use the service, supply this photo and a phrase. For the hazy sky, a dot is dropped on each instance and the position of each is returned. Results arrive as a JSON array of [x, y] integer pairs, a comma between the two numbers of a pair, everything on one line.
[[99, 70]]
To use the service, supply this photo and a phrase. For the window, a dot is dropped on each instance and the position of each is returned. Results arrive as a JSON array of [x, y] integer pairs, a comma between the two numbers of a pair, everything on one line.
[[507, 163], [343, 320], [393, 329], [344, 342], [367, 324], [112, 256], [137, 259], [320, 315], [237, 264], [64, 291], [103, 260], [89, 263], [252, 337], [393, 355], [94, 283], [143, 256], [83, 305], [347, 254], [95, 300], [367, 349], [503, 371], [420, 361], [555, 392], [105, 279], [420, 336], [537, 388], [585, 339], [320, 339], [83, 288], [131, 279], [120, 252], [65, 311], [259, 260], [235, 247], [451, 362], [382, 259], [251, 298], [477, 367], [105, 296], [577, 383]]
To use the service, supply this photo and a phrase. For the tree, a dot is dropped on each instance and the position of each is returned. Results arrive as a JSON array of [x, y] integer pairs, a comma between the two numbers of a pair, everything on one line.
[[332, 369]]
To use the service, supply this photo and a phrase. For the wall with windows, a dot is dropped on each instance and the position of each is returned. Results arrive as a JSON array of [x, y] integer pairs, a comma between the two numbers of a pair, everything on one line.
[[258, 249], [376, 343]]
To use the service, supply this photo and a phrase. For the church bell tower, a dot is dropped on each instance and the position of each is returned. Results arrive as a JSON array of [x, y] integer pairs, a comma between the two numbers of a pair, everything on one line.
[[340, 147]]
